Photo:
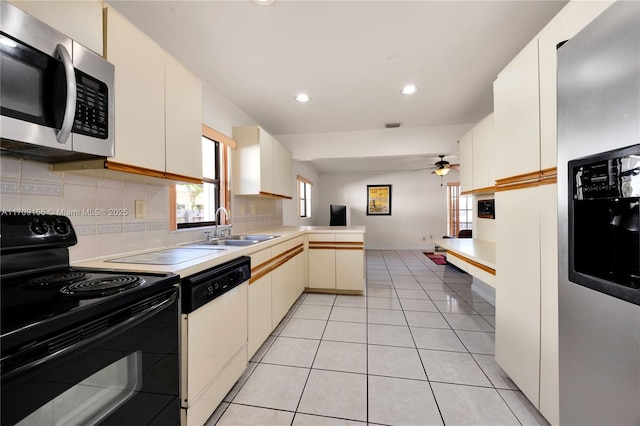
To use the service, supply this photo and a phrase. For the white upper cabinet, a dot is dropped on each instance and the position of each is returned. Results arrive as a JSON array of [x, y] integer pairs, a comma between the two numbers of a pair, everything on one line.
[[183, 120], [466, 162], [261, 165], [139, 85], [476, 157], [575, 16], [79, 20], [158, 105], [483, 145], [516, 115], [283, 170]]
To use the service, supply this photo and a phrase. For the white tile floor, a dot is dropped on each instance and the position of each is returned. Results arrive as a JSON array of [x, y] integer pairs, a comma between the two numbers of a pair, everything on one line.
[[416, 350]]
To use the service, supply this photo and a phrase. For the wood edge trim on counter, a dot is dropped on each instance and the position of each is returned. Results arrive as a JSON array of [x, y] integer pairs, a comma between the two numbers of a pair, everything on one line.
[[215, 135], [472, 262], [270, 265], [269, 194]]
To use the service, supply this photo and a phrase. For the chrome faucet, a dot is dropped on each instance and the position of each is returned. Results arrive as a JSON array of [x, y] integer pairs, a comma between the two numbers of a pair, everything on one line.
[[215, 217]]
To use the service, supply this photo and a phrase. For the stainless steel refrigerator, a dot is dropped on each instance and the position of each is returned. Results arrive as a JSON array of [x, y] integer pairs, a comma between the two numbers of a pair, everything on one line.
[[598, 195]]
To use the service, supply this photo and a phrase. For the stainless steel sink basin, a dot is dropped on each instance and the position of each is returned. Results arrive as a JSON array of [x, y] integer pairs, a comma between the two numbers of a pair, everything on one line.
[[234, 240], [227, 242], [252, 237]]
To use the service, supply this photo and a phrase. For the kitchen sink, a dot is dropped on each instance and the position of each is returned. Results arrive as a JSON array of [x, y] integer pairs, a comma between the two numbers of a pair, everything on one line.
[[252, 237], [234, 240], [227, 242]]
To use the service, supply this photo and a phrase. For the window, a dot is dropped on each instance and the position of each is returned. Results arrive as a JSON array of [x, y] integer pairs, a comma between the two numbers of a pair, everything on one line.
[[304, 196], [197, 203], [459, 210]]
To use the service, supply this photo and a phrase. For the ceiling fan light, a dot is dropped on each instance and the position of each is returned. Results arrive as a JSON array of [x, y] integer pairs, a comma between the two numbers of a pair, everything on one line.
[[442, 172]]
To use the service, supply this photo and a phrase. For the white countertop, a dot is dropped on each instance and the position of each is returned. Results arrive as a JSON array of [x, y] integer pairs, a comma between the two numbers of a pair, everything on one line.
[[215, 257], [481, 251]]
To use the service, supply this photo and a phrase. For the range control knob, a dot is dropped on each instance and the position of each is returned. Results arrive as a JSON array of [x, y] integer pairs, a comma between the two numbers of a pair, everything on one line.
[[61, 228], [39, 228]]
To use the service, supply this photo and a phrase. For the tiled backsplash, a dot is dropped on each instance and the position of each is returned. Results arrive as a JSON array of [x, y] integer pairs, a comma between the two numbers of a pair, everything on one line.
[[102, 210]]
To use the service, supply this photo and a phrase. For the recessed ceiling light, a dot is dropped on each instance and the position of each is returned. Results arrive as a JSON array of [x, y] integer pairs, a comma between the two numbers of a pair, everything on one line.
[[264, 2], [302, 98], [409, 89]]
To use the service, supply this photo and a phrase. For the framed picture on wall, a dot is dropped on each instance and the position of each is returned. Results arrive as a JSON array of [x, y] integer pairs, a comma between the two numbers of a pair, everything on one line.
[[378, 200]]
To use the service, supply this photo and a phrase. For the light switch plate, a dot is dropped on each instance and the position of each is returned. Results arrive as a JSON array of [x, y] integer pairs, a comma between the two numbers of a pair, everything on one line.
[[141, 209]]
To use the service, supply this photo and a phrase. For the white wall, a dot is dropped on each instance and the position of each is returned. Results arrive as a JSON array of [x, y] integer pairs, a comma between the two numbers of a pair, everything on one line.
[[418, 206], [290, 207]]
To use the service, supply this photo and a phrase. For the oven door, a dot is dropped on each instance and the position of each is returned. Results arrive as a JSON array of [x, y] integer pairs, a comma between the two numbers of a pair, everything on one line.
[[128, 374]]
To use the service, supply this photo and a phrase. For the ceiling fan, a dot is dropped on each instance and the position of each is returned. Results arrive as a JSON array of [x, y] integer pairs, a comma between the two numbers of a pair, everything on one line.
[[442, 167]]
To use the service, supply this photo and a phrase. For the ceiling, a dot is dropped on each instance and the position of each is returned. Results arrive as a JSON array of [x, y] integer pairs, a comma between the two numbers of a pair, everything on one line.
[[351, 57]]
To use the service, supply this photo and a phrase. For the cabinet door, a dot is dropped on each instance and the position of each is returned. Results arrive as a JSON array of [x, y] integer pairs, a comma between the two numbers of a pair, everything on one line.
[[78, 20], [350, 269], [549, 362], [183, 123], [571, 19], [139, 82], [466, 162], [259, 305], [267, 146], [322, 268], [283, 170], [283, 290], [517, 347], [483, 154], [516, 115]]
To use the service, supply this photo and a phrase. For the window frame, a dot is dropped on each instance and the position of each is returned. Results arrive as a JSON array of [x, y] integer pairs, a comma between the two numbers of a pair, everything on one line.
[[301, 181], [454, 226], [223, 145]]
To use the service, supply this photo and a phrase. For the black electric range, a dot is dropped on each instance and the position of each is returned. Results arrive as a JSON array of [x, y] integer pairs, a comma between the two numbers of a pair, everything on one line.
[[55, 315]]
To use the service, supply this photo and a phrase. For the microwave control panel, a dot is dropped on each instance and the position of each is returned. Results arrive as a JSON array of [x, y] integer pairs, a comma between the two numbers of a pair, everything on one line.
[[91, 107]]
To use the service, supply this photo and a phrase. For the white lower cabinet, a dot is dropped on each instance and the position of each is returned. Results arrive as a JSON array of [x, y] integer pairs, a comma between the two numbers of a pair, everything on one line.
[[517, 347], [259, 323], [336, 261], [283, 285], [322, 261], [278, 277]]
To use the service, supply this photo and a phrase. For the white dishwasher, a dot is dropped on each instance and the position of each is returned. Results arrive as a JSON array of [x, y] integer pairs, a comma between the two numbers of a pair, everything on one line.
[[214, 337]]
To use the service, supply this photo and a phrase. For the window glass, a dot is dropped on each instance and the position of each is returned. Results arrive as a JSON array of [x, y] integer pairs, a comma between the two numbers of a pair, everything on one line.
[[304, 197], [459, 210], [196, 203]]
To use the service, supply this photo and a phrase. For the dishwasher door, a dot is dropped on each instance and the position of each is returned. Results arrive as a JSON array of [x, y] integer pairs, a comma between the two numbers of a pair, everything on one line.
[[214, 341]]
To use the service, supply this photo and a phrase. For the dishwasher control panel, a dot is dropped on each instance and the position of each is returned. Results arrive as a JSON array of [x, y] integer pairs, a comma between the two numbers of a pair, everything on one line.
[[203, 287]]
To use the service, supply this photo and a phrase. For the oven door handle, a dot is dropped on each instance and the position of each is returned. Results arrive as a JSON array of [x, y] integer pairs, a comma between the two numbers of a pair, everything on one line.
[[70, 107], [129, 322]]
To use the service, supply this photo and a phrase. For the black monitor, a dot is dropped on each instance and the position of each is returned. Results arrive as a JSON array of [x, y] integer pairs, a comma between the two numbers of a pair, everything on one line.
[[338, 215]]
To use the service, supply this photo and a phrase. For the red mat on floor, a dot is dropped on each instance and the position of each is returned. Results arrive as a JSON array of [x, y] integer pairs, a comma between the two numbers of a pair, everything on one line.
[[438, 259]]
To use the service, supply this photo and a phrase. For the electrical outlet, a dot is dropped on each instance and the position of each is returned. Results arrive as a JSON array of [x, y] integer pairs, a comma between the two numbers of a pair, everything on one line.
[[424, 238], [141, 209], [431, 236]]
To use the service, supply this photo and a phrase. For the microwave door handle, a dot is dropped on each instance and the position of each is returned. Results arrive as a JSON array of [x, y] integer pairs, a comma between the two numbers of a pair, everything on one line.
[[70, 107]]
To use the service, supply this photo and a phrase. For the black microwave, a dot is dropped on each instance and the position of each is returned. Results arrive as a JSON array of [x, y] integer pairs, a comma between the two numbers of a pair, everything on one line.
[[56, 96], [486, 209]]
